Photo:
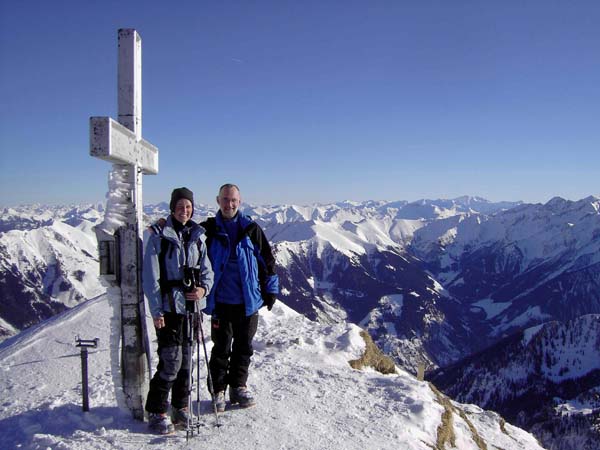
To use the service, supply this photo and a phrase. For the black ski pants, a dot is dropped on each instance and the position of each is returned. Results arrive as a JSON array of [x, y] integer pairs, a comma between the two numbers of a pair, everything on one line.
[[174, 353], [232, 333]]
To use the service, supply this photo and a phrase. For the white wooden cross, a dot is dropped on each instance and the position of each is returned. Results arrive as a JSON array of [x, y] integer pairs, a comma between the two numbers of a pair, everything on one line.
[[121, 143]]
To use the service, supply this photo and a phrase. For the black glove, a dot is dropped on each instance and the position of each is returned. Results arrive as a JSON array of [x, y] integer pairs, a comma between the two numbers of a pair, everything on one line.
[[268, 300]]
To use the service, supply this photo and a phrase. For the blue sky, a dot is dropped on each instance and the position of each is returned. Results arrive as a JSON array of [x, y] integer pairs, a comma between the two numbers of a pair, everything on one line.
[[309, 101]]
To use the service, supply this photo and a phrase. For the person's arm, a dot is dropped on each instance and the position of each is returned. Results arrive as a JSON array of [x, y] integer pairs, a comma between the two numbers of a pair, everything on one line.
[[269, 281], [150, 280], [206, 275]]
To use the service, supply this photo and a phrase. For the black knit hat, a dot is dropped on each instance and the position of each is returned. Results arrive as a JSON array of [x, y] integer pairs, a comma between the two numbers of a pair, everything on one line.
[[180, 193]]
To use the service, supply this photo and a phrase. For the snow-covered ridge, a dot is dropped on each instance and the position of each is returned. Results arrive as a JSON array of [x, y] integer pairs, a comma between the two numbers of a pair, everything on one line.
[[27, 217], [545, 378], [572, 349], [47, 269], [308, 395], [530, 263], [538, 231]]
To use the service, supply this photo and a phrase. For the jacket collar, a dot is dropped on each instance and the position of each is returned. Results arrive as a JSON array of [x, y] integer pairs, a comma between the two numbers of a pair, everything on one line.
[[169, 231], [241, 218]]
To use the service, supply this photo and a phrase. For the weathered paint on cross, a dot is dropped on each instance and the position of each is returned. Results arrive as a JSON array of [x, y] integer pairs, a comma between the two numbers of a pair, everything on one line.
[[121, 143]]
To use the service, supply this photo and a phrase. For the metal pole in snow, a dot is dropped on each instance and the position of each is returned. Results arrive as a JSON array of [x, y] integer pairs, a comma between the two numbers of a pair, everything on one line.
[[84, 344], [84, 378]]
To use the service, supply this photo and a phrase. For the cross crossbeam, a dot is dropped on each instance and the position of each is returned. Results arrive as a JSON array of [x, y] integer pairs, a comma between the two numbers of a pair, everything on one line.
[[111, 141]]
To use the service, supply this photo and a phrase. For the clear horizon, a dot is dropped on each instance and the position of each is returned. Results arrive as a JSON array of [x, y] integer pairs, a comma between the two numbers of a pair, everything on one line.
[[254, 204], [309, 103]]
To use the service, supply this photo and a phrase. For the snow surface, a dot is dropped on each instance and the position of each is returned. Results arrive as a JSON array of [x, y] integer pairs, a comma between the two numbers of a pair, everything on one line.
[[308, 396], [578, 355], [56, 253], [566, 351], [394, 302], [531, 314], [585, 406], [530, 332], [492, 308]]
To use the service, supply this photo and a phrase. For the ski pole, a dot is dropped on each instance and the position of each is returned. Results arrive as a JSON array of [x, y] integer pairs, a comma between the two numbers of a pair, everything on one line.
[[210, 383], [198, 376], [190, 330]]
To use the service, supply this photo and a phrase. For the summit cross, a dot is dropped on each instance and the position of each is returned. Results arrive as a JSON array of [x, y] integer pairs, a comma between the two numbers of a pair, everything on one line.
[[119, 235]]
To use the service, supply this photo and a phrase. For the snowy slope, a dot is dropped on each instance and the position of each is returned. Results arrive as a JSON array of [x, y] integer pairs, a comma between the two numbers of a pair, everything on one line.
[[45, 270], [332, 271], [308, 396], [546, 378], [519, 267]]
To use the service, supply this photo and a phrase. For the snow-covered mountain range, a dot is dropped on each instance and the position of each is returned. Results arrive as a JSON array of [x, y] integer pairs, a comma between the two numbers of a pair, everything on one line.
[[433, 281], [308, 395], [48, 262], [425, 277], [529, 264]]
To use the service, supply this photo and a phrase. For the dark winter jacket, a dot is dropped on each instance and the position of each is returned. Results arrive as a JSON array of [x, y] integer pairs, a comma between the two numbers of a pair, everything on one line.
[[255, 261], [175, 259]]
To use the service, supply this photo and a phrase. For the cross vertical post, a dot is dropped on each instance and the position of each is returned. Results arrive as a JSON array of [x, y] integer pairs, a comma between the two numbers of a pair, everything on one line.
[[119, 235]]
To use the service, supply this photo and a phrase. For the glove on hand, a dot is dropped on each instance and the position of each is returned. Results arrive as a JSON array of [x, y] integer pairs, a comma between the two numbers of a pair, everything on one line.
[[268, 300]]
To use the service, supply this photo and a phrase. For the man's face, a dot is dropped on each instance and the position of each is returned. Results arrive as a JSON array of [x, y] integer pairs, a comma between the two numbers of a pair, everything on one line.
[[183, 210], [229, 201]]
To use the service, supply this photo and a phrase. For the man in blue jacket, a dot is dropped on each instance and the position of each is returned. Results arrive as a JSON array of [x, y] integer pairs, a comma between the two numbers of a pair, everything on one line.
[[244, 281]]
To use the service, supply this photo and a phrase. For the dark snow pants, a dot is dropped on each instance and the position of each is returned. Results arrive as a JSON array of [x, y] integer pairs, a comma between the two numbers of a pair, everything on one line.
[[232, 333], [174, 353]]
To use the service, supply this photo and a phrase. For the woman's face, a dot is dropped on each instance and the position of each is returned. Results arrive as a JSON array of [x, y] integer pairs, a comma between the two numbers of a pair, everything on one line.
[[183, 210]]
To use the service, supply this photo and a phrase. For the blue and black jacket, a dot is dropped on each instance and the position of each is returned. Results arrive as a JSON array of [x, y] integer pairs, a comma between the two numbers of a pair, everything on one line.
[[255, 261]]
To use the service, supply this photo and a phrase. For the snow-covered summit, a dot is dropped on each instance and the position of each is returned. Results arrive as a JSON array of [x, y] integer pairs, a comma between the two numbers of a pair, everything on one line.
[[424, 210], [308, 395], [28, 217]]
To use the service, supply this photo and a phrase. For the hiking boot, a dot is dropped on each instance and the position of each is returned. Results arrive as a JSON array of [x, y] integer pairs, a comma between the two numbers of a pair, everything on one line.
[[241, 395], [180, 417], [220, 401], [160, 423]]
